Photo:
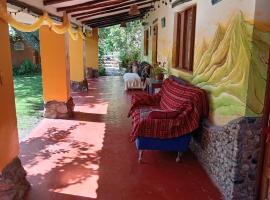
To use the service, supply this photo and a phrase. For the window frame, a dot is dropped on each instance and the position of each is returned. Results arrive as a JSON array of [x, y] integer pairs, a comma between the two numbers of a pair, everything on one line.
[[183, 58], [146, 42]]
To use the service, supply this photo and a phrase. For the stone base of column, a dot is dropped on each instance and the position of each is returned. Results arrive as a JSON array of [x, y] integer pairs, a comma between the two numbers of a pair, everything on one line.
[[79, 86], [59, 110], [13, 183]]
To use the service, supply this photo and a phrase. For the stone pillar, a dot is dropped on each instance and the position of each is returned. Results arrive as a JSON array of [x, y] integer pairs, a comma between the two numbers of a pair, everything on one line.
[[16, 187], [55, 74], [76, 60], [91, 55]]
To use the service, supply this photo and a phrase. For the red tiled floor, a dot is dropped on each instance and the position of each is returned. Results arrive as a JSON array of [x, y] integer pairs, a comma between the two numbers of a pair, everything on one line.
[[90, 156]]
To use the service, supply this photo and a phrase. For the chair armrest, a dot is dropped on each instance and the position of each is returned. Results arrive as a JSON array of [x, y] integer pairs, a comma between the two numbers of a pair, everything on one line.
[[143, 99]]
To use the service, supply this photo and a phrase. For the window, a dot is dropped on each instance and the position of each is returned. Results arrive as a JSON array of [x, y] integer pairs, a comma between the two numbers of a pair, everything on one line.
[[146, 42], [184, 37], [19, 46]]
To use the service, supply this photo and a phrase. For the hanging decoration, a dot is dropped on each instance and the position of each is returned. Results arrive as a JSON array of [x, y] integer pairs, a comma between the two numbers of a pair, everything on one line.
[[42, 20]]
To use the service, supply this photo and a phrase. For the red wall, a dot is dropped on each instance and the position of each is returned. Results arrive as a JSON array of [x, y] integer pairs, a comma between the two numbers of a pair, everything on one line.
[[18, 56]]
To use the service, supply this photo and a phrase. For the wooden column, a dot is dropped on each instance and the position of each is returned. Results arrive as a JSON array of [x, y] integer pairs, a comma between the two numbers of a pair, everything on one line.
[[55, 74]]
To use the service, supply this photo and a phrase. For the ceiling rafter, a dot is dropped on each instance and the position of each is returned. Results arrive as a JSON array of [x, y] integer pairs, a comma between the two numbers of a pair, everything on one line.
[[116, 16], [129, 3], [114, 21], [89, 5], [52, 2], [108, 11]]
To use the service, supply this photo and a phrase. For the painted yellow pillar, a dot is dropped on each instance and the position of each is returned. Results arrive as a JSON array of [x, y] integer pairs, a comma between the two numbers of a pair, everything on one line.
[[55, 65], [55, 74], [76, 57], [91, 46], [9, 144]]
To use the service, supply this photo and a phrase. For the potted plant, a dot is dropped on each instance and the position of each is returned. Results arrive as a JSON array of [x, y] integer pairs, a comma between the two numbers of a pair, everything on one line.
[[158, 72]]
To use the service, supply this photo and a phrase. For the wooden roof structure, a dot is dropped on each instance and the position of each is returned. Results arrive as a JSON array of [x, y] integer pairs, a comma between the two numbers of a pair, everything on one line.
[[91, 13]]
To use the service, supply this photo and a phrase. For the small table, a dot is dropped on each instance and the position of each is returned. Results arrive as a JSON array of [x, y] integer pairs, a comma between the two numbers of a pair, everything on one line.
[[153, 85]]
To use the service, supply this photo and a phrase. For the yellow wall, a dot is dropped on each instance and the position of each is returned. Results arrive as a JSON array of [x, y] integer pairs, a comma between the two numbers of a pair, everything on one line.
[[76, 59], [55, 65], [9, 145], [91, 46], [232, 42]]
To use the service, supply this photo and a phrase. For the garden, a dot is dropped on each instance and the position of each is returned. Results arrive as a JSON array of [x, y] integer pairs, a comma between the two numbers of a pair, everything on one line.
[[27, 81]]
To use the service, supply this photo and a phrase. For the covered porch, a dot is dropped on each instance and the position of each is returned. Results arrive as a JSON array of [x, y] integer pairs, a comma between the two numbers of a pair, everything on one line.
[[82, 149], [91, 157]]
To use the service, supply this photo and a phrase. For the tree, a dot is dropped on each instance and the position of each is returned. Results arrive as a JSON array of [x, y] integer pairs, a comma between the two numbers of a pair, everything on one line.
[[126, 41], [31, 38]]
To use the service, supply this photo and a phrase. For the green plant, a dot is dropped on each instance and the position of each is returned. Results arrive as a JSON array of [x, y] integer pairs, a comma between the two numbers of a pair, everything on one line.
[[158, 70], [102, 71], [26, 68], [125, 41]]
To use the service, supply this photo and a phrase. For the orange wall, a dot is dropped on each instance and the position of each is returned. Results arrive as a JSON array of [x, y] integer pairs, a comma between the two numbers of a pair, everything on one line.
[[76, 59], [55, 66], [92, 50], [9, 145]]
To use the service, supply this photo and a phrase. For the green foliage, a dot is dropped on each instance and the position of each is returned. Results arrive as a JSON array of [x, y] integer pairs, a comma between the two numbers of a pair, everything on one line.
[[29, 102], [102, 71], [126, 41], [158, 69], [26, 68], [32, 38]]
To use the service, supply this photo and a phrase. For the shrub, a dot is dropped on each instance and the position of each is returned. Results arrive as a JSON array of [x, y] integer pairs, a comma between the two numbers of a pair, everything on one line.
[[26, 68], [102, 71]]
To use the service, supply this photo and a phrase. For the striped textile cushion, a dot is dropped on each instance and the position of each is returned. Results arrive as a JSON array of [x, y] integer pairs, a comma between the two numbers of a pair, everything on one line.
[[172, 95]]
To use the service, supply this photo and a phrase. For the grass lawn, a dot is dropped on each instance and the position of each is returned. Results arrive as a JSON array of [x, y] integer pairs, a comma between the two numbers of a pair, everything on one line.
[[29, 102]]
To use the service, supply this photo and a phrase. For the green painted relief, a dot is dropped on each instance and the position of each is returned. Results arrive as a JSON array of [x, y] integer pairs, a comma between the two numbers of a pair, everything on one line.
[[233, 69]]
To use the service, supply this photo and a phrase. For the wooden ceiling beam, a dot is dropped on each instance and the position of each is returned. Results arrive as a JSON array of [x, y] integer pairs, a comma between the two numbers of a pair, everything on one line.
[[51, 2], [122, 18], [108, 11], [112, 19], [114, 22], [129, 3], [116, 16], [89, 5]]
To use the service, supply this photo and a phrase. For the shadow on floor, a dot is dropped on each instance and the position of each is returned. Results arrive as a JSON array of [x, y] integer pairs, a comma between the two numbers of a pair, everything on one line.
[[90, 156]]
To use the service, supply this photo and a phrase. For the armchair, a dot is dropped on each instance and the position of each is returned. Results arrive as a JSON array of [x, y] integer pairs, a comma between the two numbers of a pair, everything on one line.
[[164, 121]]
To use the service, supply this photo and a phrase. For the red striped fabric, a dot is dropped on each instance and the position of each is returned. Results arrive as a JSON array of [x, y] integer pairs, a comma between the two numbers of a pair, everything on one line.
[[191, 103]]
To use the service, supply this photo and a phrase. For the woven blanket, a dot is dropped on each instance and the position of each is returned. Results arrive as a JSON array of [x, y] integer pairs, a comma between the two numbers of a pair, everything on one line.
[[190, 101]]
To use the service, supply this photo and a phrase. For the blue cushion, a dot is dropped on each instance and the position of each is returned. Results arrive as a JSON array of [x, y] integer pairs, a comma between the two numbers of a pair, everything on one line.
[[179, 144]]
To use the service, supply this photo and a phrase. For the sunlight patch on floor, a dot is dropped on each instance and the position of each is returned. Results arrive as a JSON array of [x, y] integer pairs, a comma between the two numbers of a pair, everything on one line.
[[95, 108], [66, 156]]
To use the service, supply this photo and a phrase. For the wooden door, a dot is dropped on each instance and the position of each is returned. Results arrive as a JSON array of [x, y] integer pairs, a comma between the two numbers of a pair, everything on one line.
[[265, 175], [155, 44]]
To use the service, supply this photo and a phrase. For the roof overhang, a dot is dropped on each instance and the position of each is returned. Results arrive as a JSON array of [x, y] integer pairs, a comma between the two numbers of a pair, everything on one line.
[[88, 13]]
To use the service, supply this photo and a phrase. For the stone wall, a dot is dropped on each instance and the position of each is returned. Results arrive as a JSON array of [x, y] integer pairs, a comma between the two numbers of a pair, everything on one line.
[[13, 183], [229, 154], [58, 110]]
